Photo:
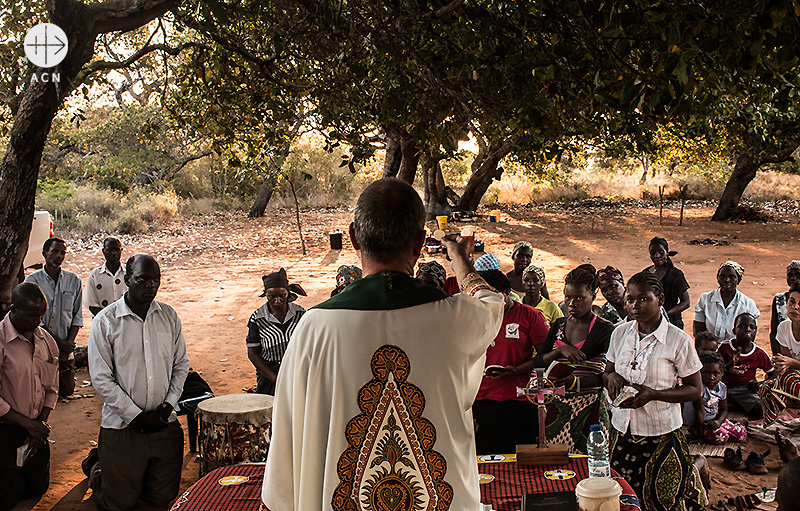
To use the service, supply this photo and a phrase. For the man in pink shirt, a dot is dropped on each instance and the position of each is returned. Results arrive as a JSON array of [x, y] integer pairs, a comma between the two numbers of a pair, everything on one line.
[[28, 393]]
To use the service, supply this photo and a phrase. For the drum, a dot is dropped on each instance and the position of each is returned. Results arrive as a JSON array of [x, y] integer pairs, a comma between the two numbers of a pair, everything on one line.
[[234, 429]]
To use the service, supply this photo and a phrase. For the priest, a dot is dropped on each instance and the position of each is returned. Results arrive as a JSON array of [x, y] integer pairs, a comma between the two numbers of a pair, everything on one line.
[[372, 405]]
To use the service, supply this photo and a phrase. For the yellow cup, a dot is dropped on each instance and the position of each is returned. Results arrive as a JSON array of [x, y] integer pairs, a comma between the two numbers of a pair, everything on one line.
[[442, 221]]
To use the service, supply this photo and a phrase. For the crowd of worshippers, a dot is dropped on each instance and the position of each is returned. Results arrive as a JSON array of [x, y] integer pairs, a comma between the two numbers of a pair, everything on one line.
[[634, 342]]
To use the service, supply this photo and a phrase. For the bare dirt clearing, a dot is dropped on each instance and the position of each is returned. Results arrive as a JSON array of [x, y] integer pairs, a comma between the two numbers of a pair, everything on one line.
[[212, 268]]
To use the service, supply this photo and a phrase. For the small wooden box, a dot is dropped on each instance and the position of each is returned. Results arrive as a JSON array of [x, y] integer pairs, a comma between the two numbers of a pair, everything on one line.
[[553, 454]]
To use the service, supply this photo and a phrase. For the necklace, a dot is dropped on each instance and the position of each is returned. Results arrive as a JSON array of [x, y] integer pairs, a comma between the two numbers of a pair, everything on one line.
[[637, 353]]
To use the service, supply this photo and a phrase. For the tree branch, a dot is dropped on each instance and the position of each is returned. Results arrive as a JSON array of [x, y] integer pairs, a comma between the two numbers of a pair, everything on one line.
[[103, 65], [444, 11], [125, 15], [186, 161]]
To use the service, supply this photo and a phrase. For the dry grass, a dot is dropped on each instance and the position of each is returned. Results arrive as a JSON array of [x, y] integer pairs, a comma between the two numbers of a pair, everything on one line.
[[516, 188], [86, 208]]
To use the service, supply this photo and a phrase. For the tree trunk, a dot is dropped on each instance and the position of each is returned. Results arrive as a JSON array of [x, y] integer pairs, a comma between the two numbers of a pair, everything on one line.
[[743, 172], [408, 167], [484, 169], [262, 199], [435, 193], [275, 165], [37, 108], [394, 156], [645, 161]]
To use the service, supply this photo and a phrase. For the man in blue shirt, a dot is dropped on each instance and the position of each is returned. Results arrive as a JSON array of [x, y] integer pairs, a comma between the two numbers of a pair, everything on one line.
[[64, 316]]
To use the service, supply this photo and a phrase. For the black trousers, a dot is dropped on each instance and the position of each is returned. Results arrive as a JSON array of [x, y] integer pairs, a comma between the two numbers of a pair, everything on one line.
[[30, 480]]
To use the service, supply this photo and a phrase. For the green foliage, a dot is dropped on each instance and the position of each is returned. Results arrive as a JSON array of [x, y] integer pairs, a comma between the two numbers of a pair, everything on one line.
[[318, 176]]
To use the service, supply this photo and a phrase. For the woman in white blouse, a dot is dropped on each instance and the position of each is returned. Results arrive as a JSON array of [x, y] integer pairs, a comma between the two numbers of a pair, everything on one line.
[[649, 354], [716, 311]]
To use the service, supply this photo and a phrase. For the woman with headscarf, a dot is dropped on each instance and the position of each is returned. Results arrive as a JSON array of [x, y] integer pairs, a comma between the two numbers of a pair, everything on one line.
[[271, 326], [346, 274], [432, 274], [522, 254], [533, 279], [676, 289], [779, 306], [612, 287], [716, 311]]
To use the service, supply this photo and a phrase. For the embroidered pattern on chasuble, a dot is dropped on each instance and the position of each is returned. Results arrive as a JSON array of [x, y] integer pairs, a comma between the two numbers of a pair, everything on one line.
[[390, 464]]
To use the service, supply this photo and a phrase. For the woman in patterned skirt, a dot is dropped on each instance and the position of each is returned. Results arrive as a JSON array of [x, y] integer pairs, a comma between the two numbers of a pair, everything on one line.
[[648, 448]]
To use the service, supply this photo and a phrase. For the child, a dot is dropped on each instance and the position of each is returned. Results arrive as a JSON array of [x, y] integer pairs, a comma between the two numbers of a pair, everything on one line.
[[789, 332], [708, 416], [705, 341], [742, 358]]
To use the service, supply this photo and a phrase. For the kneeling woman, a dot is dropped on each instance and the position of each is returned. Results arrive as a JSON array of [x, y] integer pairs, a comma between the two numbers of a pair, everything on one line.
[[270, 327], [648, 447]]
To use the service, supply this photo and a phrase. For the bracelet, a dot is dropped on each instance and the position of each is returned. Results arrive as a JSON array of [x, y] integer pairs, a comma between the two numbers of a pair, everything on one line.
[[47, 425], [574, 382], [473, 283]]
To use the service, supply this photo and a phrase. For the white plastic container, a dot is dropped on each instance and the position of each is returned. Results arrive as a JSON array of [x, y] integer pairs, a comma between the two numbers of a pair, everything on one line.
[[598, 494]]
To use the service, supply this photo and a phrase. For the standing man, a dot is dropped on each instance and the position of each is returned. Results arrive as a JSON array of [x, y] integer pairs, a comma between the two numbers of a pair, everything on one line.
[[64, 316], [28, 392], [138, 364], [106, 284], [385, 371]]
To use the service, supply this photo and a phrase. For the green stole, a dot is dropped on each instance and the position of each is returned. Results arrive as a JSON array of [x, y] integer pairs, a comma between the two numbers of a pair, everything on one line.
[[387, 290]]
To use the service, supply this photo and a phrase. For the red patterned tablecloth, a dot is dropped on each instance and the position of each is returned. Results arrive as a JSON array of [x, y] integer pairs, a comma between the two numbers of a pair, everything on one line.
[[238, 487], [503, 483]]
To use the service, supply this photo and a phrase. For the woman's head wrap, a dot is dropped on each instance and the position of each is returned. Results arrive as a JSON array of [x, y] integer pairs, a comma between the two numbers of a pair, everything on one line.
[[433, 269], [732, 264], [519, 246], [487, 262], [661, 241], [347, 274], [610, 273], [794, 265], [534, 269], [279, 279]]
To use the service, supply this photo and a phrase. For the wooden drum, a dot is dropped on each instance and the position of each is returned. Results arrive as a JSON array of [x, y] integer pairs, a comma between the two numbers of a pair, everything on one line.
[[234, 429]]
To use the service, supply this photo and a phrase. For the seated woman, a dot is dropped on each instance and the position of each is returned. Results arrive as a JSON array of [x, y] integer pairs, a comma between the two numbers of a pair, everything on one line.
[[612, 288], [717, 310], [504, 419], [676, 289], [533, 279], [580, 341], [270, 327], [779, 306], [522, 256]]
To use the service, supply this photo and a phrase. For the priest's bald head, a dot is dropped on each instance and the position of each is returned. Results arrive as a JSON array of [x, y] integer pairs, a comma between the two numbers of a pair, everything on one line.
[[388, 227]]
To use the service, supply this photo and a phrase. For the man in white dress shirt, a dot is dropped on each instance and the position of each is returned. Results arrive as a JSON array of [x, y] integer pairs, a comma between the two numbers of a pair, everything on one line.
[[106, 284], [138, 364]]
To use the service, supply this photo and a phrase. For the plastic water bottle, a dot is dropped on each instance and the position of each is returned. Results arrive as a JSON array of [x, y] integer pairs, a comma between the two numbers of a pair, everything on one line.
[[597, 448]]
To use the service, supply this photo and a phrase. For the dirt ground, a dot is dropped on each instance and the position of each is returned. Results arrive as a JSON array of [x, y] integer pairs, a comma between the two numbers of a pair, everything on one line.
[[212, 268]]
